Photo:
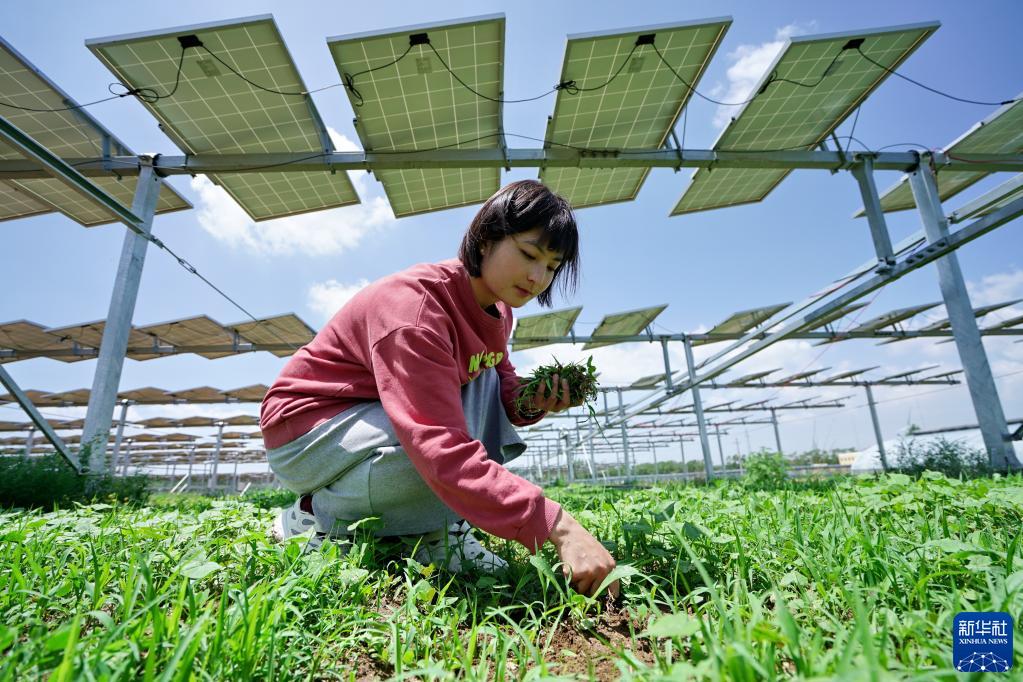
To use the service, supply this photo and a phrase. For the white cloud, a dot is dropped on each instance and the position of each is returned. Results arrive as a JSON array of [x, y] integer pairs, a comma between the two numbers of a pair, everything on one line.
[[322, 233], [751, 61], [997, 288], [325, 298]]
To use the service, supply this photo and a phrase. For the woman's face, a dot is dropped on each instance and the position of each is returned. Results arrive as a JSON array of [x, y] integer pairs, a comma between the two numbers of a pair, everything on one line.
[[516, 269]]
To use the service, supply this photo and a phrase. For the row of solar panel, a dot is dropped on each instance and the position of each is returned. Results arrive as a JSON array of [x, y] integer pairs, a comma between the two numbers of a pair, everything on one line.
[[558, 324], [440, 85], [286, 333]]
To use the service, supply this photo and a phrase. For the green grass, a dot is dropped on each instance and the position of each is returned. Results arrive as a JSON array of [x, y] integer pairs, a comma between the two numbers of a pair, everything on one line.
[[858, 580]]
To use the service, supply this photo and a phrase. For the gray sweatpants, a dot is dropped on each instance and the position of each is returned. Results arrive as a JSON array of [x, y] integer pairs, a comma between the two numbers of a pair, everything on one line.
[[355, 468]]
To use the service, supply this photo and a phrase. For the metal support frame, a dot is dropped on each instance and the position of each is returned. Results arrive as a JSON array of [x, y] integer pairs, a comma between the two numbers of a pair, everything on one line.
[[877, 427], [554, 157], [127, 458], [38, 420], [701, 421], [777, 434], [118, 326], [721, 450], [191, 463], [212, 482], [864, 174], [667, 365], [626, 457], [30, 442], [976, 369], [120, 434]]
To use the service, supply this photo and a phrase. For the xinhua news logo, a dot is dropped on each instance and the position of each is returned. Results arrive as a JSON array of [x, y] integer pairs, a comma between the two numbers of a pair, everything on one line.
[[982, 642]]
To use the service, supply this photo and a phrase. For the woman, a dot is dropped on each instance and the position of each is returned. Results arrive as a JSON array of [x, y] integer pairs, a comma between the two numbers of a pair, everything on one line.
[[403, 405]]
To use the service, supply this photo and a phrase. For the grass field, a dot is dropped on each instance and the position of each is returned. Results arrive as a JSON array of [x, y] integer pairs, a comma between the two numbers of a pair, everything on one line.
[[857, 579]]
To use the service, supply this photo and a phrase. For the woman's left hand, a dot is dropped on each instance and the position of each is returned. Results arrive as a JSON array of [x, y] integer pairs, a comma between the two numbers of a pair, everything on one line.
[[557, 400]]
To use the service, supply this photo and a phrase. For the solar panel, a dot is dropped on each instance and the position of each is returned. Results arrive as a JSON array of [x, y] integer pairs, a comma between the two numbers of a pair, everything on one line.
[[999, 133], [283, 329], [242, 420], [193, 331], [799, 376], [847, 375], [834, 315], [1006, 324], [755, 376], [200, 393], [552, 325], [157, 422], [90, 334], [248, 394], [946, 323], [145, 395], [636, 110], [785, 116], [72, 133], [416, 105], [22, 335], [742, 321], [892, 318], [1008, 191], [623, 324], [903, 375], [215, 111], [649, 381], [76, 397], [197, 421], [38, 398]]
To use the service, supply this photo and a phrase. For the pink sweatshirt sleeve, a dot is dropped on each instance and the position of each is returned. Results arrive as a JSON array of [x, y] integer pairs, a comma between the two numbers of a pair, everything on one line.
[[417, 378]]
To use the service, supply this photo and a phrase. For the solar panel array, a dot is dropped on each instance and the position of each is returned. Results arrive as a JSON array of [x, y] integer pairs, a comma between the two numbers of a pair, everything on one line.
[[148, 396], [67, 134], [999, 133], [637, 109], [785, 116], [59, 343], [417, 105], [213, 110]]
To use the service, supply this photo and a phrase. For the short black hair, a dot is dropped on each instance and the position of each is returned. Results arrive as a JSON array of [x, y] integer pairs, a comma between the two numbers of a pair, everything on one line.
[[518, 207]]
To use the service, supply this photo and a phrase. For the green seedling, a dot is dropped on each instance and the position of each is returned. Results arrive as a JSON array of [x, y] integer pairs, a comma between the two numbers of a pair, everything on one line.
[[582, 383]]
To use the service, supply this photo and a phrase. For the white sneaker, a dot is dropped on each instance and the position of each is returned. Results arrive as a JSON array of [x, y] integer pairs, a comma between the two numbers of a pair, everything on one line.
[[293, 521], [459, 547]]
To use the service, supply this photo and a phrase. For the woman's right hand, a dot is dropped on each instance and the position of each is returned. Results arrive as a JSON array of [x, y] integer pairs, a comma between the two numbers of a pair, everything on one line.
[[584, 561]]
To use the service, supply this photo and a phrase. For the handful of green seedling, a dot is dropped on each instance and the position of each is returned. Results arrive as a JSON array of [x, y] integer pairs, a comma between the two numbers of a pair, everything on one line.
[[582, 384]]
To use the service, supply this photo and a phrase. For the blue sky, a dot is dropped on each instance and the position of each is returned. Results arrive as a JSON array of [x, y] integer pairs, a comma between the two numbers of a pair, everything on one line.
[[704, 266]]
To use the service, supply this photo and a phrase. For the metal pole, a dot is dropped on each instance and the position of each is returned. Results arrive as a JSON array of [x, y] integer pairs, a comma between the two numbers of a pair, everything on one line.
[[563, 443], [667, 365], [212, 482], [777, 434], [30, 442], [701, 422], [877, 427], [864, 174], [721, 451], [593, 462], [977, 370], [625, 436], [120, 434], [235, 476], [118, 325], [191, 461], [127, 457], [653, 449], [682, 447]]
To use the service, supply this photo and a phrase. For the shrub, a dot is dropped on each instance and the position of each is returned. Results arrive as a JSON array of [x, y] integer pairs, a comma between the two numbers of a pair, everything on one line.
[[766, 471], [49, 481], [951, 457]]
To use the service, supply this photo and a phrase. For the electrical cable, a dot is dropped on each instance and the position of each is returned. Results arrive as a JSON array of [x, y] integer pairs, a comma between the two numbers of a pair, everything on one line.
[[930, 89]]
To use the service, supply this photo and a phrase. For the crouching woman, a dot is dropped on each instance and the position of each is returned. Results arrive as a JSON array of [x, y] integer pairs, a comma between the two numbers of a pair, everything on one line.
[[403, 406]]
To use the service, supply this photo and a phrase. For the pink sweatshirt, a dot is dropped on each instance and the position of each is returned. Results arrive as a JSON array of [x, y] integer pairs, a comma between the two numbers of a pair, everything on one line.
[[411, 341]]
